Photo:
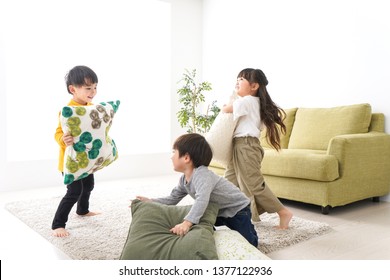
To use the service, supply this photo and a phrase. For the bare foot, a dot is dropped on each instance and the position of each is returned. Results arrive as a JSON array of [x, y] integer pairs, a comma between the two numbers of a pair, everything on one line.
[[285, 216], [60, 232], [89, 214]]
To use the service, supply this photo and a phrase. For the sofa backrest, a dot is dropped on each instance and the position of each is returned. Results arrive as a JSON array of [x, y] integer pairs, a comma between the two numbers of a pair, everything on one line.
[[377, 122], [314, 127]]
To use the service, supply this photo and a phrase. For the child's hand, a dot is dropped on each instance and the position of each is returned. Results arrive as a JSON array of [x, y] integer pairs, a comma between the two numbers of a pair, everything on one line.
[[68, 139], [181, 229], [227, 108], [142, 198]]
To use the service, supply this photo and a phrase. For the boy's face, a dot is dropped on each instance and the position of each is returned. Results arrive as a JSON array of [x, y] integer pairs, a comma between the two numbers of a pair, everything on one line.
[[179, 163], [83, 94]]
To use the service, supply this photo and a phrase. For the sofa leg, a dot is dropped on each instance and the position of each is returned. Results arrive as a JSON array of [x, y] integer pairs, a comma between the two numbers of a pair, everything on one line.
[[325, 209], [375, 199]]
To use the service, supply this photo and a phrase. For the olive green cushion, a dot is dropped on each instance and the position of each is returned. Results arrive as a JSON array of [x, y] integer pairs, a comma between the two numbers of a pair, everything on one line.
[[314, 127], [301, 163], [149, 237], [284, 138]]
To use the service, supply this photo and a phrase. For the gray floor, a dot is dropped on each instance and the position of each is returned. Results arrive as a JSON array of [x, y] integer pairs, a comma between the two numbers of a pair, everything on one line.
[[361, 231]]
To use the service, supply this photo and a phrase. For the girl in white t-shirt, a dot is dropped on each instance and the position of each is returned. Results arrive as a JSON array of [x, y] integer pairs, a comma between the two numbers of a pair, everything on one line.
[[254, 109]]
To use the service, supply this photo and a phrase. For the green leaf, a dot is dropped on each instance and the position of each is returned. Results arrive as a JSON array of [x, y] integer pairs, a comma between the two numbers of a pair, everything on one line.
[[192, 97]]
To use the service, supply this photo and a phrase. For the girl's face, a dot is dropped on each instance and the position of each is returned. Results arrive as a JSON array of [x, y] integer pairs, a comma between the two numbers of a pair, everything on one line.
[[83, 94], [244, 88]]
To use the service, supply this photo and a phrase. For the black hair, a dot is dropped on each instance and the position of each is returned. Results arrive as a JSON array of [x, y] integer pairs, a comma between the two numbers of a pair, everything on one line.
[[80, 76], [271, 114], [196, 146]]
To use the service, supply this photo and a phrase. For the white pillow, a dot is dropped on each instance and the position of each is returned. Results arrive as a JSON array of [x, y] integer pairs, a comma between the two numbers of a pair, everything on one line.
[[93, 149], [220, 138], [231, 245]]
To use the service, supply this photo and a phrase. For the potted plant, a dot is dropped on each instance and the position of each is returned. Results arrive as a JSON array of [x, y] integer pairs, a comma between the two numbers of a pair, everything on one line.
[[192, 99]]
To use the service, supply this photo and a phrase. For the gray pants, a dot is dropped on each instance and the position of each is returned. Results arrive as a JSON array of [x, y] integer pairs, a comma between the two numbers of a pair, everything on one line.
[[244, 172]]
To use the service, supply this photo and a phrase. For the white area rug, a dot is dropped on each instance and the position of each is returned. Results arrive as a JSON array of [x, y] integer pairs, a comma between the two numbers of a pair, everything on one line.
[[102, 237]]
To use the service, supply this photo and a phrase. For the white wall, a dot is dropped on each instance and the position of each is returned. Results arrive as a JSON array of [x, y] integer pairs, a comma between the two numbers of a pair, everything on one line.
[[314, 53], [186, 49], [187, 38]]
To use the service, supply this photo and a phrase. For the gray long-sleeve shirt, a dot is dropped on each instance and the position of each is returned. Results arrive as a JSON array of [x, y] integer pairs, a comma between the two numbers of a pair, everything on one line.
[[205, 186]]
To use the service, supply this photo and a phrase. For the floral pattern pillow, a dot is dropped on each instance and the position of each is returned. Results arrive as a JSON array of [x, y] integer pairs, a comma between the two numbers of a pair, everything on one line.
[[93, 149], [231, 245]]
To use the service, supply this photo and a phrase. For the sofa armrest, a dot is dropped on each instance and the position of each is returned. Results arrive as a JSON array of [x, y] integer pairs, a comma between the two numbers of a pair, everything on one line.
[[362, 156]]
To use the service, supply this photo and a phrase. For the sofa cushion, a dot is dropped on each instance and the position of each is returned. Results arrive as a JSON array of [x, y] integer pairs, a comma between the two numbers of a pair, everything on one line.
[[284, 138], [377, 122], [301, 163], [314, 127], [149, 236]]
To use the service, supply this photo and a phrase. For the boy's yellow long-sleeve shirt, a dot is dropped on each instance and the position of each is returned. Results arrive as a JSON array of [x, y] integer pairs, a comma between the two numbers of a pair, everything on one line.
[[58, 137]]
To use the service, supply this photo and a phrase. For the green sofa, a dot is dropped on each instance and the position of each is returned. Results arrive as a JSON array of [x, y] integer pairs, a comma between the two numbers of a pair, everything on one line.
[[330, 157]]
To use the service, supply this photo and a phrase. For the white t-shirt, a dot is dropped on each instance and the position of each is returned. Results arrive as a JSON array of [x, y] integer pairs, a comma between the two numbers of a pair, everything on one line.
[[247, 110]]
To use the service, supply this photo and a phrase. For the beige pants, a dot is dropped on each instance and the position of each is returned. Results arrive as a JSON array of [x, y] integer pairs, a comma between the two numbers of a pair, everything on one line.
[[244, 172]]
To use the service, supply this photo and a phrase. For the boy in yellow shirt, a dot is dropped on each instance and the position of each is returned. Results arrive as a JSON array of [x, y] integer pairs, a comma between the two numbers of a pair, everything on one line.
[[81, 82]]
